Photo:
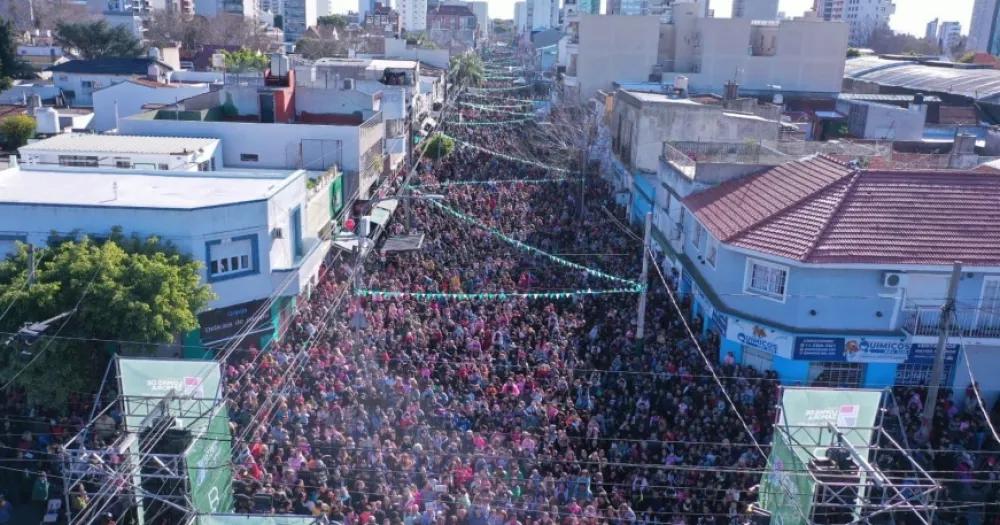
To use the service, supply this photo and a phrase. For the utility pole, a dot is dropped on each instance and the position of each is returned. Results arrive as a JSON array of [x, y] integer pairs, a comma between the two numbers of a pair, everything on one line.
[[31, 264], [944, 329], [640, 331]]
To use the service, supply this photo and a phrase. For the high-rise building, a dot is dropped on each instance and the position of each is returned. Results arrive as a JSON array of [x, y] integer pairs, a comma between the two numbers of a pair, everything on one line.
[[482, 10], [521, 16], [365, 7], [413, 14], [542, 14], [931, 32], [949, 35], [661, 8], [756, 9], [863, 16], [983, 33], [300, 15]]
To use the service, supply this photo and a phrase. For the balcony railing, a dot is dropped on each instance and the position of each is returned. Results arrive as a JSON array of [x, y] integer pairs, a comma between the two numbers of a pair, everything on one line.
[[967, 322]]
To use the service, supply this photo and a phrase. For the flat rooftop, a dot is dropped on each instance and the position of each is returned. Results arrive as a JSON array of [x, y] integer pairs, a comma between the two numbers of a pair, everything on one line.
[[138, 144], [137, 189]]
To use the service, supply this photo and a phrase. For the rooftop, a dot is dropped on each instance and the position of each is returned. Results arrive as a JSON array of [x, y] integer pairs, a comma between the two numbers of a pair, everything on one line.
[[977, 84], [818, 210], [371, 64], [87, 142], [109, 66], [137, 189]]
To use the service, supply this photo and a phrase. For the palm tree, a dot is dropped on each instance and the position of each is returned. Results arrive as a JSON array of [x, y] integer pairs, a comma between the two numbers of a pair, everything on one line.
[[467, 70]]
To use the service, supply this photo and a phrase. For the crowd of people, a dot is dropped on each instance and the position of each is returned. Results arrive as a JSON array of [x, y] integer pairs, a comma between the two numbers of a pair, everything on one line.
[[386, 408]]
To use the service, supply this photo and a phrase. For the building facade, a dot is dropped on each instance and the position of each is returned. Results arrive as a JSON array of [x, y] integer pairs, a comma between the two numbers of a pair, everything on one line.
[[983, 35], [300, 15], [949, 35], [776, 272], [607, 48], [249, 229], [413, 14], [931, 32], [863, 16], [756, 9], [521, 16], [452, 27]]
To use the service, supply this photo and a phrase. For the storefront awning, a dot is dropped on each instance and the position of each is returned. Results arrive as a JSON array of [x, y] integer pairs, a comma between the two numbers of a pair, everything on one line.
[[382, 211]]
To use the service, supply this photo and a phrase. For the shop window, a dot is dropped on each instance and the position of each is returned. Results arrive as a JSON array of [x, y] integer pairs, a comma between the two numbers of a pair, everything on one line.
[[836, 374], [80, 161], [910, 374], [757, 359]]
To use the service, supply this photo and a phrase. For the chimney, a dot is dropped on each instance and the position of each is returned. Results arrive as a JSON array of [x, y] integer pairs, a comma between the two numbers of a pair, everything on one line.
[[732, 91]]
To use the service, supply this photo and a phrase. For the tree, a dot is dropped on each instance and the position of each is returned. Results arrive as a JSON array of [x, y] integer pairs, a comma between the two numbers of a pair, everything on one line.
[[133, 289], [439, 146], [853, 52], [98, 39], [338, 21], [17, 130], [885, 41], [11, 65], [420, 39], [169, 25], [467, 69], [316, 48], [236, 30], [244, 60]]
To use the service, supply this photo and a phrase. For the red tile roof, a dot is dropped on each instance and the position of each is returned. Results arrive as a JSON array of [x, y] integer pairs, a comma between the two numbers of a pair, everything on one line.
[[818, 210]]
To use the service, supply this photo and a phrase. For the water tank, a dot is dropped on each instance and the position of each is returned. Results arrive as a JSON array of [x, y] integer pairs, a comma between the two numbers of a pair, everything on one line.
[[279, 65], [681, 83], [779, 99], [47, 121]]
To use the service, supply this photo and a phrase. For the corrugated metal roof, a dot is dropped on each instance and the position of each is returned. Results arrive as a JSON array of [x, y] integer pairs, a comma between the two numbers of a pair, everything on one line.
[[93, 143], [978, 84]]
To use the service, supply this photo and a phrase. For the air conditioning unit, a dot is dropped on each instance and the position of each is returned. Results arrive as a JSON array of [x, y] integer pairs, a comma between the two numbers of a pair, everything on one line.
[[893, 280]]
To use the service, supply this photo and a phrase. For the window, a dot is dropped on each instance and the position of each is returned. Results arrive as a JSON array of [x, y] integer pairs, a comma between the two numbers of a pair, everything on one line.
[[916, 374], [80, 161], [163, 167], [232, 257], [249, 157], [836, 374], [698, 231], [124, 163], [711, 251], [769, 280]]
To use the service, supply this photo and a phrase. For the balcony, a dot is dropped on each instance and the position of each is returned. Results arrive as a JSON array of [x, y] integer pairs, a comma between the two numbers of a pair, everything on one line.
[[969, 322]]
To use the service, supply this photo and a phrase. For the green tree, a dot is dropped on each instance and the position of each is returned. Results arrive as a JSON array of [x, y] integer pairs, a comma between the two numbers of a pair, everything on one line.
[[11, 65], [439, 146], [420, 39], [853, 52], [98, 39], [245, 60], [133, 289], [17, 130], [467, 69], [338, 21]]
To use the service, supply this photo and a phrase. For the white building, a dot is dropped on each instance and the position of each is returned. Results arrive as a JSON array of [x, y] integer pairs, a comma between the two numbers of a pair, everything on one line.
[[521, 16], [949, 35], [249, 228], [412, 15], [300, 15], [133, 96], [79, 79], [263, 124], [931, 32], [756, 9], [863, 16], [803, 55], [542, 14], [86, 150], [482, 10]]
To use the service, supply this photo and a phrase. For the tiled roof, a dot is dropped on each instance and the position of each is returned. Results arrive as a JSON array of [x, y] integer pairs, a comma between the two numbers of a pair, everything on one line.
[[820, 211]]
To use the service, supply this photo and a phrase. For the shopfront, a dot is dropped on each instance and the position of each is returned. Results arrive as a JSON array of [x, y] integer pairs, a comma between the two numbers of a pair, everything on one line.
[[757, 345], [874, 362]]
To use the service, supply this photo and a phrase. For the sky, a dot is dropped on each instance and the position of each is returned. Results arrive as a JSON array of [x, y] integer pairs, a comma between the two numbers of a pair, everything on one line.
[[911, 15]]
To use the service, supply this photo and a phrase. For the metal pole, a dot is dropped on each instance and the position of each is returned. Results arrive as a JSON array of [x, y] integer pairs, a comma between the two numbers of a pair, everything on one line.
[[640, 332], [31, 264], [944, 328]]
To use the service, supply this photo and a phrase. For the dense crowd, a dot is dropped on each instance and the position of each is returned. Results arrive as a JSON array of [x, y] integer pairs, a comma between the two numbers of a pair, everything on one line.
[[512, 411]]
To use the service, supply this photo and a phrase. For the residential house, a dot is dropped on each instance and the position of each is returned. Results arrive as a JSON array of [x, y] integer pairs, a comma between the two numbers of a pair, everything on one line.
[[248, 228], [383, 19], [134, 95], [452, 27], [88, 150], [863, 18], [264, 122], [79, 79], [780, 276]]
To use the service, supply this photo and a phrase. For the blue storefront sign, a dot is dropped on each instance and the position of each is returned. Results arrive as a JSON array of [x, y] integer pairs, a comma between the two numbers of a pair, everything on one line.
[[867, 350], [720, 322]]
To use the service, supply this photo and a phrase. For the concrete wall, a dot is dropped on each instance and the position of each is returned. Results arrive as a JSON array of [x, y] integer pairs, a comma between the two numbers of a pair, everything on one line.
[[397, 49], [140, 161], [131, 98], [83, 96], [611, 48], [884, 122]]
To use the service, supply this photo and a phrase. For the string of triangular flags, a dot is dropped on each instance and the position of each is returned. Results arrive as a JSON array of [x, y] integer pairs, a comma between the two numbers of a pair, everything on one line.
[[505, 156]]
